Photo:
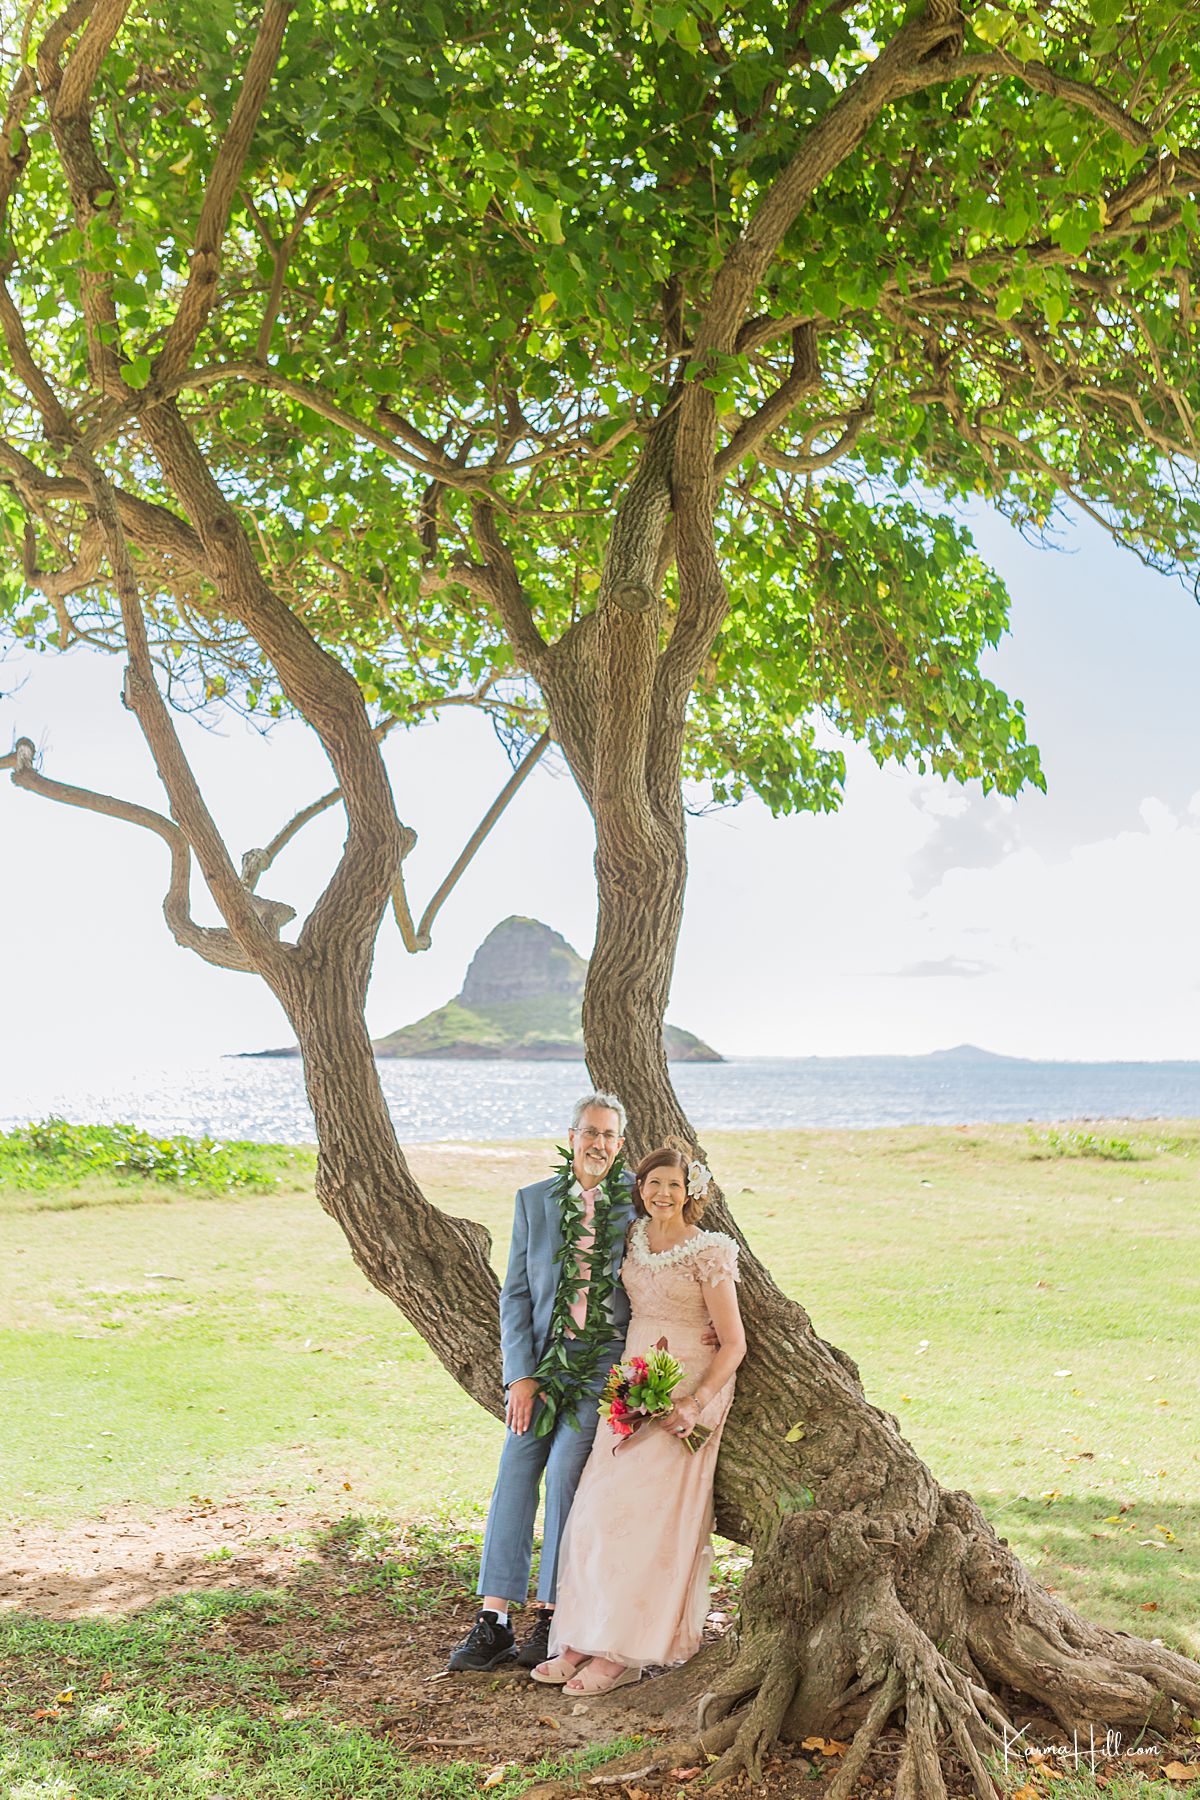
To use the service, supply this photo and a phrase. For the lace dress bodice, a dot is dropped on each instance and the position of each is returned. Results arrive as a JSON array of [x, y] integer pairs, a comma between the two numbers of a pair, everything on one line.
[[665, 1285]]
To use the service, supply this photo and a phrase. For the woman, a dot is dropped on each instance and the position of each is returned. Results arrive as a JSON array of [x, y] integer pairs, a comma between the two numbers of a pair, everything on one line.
[[635, 1552]]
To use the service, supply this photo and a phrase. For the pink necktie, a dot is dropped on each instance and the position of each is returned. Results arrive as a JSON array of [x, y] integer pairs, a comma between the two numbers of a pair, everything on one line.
[[587, 1237]]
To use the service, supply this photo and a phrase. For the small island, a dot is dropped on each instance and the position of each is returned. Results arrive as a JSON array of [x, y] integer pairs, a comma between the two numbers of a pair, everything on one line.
[[521, 1000]]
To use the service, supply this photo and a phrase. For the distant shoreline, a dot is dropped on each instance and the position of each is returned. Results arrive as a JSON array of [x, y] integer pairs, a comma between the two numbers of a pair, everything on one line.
[[262, 1099], [969, 1058]]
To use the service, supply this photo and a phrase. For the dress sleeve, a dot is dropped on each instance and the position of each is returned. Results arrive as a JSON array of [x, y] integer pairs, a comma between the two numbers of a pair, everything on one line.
[[716, 1259]]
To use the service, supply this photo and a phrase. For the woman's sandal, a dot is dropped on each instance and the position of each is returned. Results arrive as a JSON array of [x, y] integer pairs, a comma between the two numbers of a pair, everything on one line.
[[558, 1670], [602, 1684]]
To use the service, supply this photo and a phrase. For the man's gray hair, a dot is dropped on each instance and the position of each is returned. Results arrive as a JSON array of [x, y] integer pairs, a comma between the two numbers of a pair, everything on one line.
[[608, 1101]]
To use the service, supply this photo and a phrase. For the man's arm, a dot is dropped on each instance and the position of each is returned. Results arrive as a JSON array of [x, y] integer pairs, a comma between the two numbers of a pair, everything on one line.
[[516, 1302], [516, 1326]]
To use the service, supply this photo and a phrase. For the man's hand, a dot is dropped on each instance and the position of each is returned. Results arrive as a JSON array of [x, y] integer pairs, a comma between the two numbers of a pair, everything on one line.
[[709, 1336], [519, 1410]]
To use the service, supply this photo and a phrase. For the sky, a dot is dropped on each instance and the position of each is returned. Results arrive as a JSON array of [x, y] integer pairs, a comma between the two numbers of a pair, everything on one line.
[[918, 917]]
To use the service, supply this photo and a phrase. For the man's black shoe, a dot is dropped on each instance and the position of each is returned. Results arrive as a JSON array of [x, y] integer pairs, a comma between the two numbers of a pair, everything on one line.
[[485, 1645], [536, 1647]]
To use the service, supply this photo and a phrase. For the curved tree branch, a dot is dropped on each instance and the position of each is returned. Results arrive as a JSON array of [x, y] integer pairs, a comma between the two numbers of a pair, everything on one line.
[[141, 689], [95, 41], [806, 463], [499, 578], [199, 295], [316, 683], [255, 863], [805, 374], [215, 944], [421, 936]]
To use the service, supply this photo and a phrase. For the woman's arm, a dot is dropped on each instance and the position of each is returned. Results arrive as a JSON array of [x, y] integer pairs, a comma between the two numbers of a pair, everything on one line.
[[721, 1299]]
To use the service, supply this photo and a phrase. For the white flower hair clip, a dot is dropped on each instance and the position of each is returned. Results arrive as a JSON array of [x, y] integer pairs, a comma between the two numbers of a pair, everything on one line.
[[698, 1177]]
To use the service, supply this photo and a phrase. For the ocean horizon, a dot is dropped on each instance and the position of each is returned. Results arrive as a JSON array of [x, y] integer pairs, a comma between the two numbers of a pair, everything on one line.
[[262, 1098]]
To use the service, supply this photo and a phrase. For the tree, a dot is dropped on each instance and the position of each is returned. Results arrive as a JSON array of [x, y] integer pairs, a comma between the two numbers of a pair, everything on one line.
[[618, 359]]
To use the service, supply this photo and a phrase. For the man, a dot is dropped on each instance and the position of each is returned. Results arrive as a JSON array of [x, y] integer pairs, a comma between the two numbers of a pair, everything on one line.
[[563, 1317]]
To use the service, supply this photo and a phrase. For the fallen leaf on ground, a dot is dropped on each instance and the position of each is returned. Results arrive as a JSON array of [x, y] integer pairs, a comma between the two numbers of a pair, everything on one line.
[[1177, 1771], [495, 1776], [684, 1774], [1149, 1605], [827, 1746]]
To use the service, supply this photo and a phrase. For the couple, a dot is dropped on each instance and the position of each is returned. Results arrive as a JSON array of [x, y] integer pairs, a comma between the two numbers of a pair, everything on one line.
[[603, 1266]]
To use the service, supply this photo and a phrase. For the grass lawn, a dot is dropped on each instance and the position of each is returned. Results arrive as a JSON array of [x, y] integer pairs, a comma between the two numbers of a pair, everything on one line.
[[1032, 1316], [1027, 1302]]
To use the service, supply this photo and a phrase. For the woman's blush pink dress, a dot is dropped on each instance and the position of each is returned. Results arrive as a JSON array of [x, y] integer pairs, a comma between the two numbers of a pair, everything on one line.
[[635, 1553]]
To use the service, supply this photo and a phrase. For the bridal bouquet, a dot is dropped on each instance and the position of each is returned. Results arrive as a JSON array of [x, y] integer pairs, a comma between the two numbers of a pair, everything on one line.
[[641, 1389]]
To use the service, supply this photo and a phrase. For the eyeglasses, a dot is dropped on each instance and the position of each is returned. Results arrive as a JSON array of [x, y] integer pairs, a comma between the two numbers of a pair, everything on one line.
[[590, 1135]]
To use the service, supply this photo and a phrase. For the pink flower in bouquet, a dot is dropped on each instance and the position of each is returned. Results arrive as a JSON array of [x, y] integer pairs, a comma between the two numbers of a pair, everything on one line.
[[618, 1409], [621, 1429]]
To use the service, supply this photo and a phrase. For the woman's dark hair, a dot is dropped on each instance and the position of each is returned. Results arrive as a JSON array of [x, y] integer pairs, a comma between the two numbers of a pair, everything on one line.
[[666, 1158]]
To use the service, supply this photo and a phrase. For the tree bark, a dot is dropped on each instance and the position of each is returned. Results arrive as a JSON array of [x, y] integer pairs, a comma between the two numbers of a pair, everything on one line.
[[640, 883]]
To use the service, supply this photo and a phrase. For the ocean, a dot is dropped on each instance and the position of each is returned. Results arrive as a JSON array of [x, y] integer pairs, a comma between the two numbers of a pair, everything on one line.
[[264, 1099]]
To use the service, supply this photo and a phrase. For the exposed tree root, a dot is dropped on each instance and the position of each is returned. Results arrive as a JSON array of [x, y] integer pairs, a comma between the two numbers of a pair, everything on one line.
[[677, 1753], [919, 1776], [943, 1697], [907, 1609], [742, 1680], [758, 1727], [880, 1712]]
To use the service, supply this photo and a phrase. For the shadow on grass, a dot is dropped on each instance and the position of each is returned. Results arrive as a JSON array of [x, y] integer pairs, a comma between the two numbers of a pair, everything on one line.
[[1134, 1568]]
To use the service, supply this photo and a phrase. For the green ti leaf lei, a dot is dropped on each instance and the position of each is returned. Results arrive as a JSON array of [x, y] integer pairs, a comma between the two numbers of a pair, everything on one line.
[[562, 1378]]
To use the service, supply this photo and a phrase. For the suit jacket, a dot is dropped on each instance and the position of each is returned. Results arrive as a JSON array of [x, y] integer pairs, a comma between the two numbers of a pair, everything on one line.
[[531, 1282]]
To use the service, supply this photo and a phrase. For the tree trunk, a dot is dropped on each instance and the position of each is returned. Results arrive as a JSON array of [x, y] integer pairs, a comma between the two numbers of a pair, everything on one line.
[[640, 885], [873, 1588], [433, 1266]]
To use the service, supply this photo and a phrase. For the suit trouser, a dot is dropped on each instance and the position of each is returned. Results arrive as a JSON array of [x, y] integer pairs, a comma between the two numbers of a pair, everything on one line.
[[560, 1456]]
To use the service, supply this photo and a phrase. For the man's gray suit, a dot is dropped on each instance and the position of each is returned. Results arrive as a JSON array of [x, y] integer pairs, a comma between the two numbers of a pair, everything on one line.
[[526, 1308]]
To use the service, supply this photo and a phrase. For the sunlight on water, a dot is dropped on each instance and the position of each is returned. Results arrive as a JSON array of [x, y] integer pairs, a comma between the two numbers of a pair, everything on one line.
[[264, 1100]]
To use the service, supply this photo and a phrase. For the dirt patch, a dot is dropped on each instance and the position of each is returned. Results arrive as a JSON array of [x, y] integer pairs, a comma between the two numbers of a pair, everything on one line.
[[122, 1561]]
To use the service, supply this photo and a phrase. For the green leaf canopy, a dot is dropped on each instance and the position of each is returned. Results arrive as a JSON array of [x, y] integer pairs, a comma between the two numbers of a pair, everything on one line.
[[468, 258]]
